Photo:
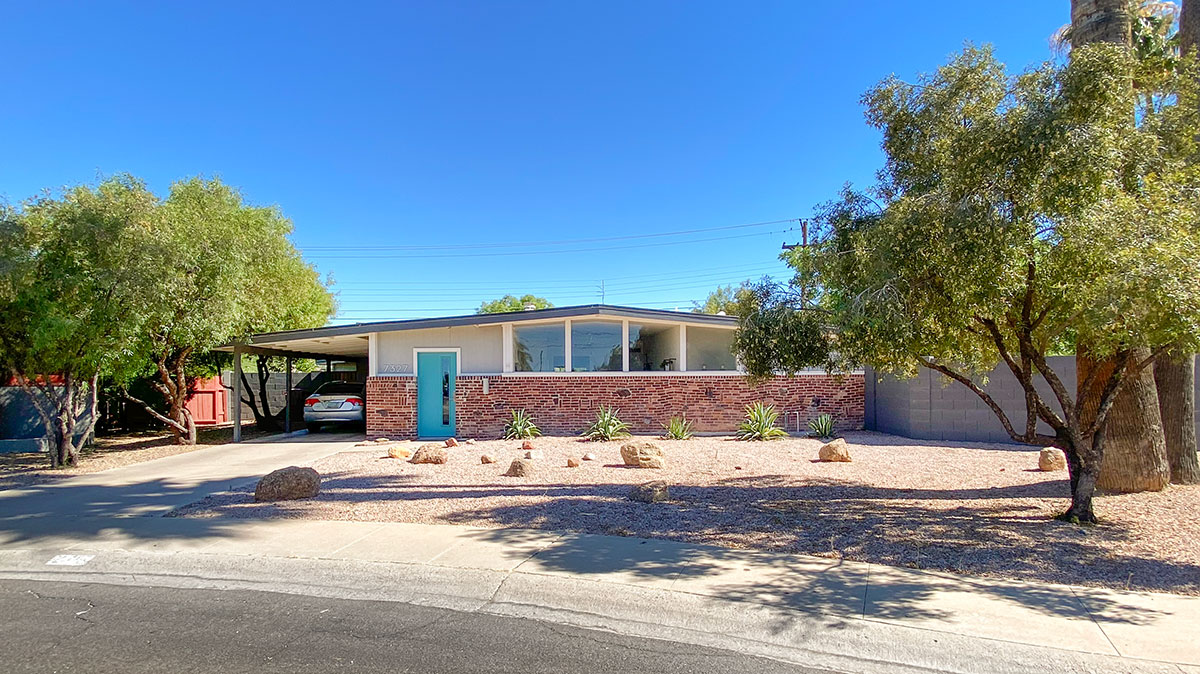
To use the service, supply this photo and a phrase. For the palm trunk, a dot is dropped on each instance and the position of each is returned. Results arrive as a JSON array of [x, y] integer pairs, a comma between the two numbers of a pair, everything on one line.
[[1175, 380], [1100, 21], [1135, 452]]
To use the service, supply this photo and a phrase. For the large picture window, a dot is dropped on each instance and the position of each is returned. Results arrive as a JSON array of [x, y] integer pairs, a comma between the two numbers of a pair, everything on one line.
[[710, 349], [540, 348], [595, 346], [653, 347]]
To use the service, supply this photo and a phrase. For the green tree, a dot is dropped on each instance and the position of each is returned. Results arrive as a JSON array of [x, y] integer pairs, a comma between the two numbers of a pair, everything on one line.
[[1009, 212], [513, 303], [223, 269], [723, 300], [73, 297]]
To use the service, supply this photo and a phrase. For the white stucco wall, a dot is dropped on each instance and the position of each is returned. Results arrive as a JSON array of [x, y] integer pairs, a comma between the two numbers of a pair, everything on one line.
[[482, 348]]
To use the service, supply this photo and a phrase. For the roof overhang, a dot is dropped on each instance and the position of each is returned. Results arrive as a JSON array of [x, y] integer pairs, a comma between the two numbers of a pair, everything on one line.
[[351, 341]]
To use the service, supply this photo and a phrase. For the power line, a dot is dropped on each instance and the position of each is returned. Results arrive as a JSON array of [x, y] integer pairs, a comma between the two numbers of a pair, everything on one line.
[[520, 244], [581, 282], [544, 252]]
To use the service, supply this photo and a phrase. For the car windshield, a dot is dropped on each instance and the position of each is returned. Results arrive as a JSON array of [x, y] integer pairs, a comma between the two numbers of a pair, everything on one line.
[[339, 388]]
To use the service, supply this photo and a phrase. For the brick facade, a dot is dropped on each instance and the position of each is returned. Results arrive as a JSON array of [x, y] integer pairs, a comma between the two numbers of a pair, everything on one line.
[[565, 405]]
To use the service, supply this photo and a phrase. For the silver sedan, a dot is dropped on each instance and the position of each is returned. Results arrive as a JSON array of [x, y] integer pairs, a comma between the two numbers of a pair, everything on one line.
[[336, 402]]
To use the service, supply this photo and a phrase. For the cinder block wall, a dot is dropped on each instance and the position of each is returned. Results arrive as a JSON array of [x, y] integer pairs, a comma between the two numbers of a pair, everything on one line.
[[933, 407], [566, 405]]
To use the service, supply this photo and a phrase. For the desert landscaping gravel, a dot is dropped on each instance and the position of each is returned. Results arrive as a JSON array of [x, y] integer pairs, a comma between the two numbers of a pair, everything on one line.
[[968, 508]]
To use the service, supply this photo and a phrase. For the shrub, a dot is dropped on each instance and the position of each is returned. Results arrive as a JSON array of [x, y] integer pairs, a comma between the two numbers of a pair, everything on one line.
[[678, 428], [760, 424], [822, 426], [520, 426], [607, 425]]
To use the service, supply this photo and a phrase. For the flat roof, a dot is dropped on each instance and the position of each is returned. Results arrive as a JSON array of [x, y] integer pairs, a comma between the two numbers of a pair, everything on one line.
[[334, 346]]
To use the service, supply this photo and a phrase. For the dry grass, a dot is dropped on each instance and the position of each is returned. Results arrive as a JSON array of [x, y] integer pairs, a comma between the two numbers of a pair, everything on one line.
[[23, 469], [968, 508]]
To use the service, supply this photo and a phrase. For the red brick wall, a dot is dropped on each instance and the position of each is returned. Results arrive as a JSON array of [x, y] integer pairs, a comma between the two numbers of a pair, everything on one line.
[[565, 405]]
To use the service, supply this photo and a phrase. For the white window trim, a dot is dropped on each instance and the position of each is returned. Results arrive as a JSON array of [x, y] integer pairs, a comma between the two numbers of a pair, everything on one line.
[[439, 349], [373, 354], [567, 365], [506, 333]]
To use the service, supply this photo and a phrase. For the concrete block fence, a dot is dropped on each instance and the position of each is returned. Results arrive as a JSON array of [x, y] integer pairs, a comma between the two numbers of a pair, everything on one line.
[[934, 407]]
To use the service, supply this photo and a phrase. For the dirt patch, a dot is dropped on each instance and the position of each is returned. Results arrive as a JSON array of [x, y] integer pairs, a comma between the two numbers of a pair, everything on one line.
[[968, 508], [24, 469]]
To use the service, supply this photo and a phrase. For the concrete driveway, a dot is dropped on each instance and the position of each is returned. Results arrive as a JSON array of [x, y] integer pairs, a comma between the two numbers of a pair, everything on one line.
[[159, 486]]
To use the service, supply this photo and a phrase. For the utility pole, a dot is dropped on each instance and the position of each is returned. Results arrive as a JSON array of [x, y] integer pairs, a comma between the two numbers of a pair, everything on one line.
[[601, 291], [803, 240]]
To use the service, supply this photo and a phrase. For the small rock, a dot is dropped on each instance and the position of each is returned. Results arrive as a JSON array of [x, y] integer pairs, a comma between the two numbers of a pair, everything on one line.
[[471, 441], [643, 455], [398, 452], [520, 468], [589, 457], [451, 442], [737, 467], [650, 492], [431, 453], [533, 455], [528, 444], [837, 451], [572, 463], [382, 440], [287, 484], [1051, 459], [488, 458]]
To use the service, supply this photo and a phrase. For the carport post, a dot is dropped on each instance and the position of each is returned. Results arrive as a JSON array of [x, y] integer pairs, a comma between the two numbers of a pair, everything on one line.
[[237, 393], [287, 396]]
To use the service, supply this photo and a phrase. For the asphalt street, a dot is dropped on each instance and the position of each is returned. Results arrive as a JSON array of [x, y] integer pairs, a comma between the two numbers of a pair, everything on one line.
[[74, 627]]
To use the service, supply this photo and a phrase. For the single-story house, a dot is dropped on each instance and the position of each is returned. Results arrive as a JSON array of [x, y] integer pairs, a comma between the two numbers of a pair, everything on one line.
[[461, 375]]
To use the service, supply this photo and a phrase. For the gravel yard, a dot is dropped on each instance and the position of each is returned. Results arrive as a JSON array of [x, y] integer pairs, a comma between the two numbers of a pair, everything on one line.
[[968, 508]]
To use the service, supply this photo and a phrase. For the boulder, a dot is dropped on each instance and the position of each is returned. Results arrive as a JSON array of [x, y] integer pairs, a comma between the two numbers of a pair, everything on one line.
[[451, 442], [836, 450], [589, 457], [431, 453], [520, 468], [398, 452], [487, 458], [650, 492], [287, 484], [643, 455], [533, 455], [572, 463], [1051, 459], [528, 444]]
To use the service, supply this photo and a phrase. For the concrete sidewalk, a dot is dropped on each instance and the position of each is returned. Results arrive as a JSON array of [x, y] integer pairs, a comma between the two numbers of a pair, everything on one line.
[[896, 616]]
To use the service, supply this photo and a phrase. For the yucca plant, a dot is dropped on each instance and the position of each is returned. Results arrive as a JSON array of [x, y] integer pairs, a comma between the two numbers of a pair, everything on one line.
[[520, 426], [607, 426], [760, 424], [822, 426], [678, 428]]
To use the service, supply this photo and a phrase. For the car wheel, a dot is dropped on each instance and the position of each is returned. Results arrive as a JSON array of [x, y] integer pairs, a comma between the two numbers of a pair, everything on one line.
[[313, 428]]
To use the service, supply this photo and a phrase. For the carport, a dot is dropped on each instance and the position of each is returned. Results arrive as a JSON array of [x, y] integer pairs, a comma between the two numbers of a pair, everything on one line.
[[316, 344]]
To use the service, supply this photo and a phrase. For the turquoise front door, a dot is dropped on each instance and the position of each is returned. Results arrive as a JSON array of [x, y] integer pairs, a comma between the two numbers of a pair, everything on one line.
[[436, 372]]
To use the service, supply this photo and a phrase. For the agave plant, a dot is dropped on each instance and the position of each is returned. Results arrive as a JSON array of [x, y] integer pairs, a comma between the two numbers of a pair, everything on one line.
[[520, 426], [678, 428], [607, 426], [760, 424], [822, 426]]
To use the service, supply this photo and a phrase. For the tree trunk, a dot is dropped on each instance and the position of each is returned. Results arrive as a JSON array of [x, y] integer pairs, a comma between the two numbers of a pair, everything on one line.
[[1135, 452], [1100, 21], [1175, 379], [1189, 27], [1083, 465]]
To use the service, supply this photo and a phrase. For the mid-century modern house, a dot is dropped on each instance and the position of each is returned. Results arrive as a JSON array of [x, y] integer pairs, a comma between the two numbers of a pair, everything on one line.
[[460, 376]]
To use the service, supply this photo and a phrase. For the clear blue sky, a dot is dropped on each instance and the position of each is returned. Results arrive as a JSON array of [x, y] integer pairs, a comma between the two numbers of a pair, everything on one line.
[[447, 125]]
